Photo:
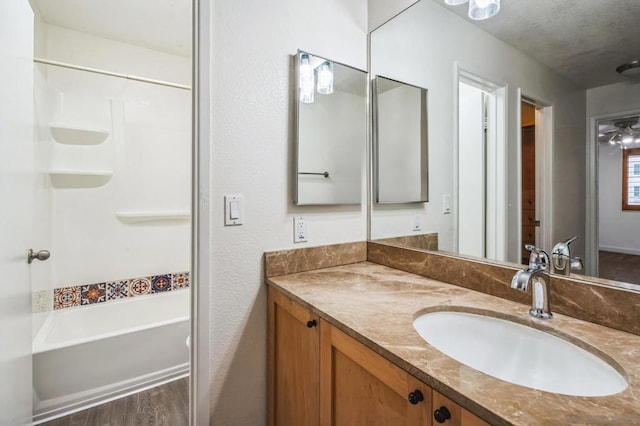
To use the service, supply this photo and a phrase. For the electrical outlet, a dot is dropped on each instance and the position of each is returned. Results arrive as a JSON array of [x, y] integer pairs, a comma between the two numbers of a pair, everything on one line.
[[417, 222], [299, 230]]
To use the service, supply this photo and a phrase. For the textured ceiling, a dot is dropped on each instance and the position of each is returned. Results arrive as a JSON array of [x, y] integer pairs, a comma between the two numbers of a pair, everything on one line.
[[584, 40], [163, 25]]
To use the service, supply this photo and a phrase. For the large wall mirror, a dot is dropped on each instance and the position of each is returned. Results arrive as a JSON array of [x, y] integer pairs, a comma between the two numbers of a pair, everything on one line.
[[331, 111], [519, 116], [400, 141]]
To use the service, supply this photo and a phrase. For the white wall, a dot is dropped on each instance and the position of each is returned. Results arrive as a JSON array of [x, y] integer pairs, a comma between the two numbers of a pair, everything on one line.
[[423, 46], [252, 154], [148, 150], [380, 11], [618, 230]]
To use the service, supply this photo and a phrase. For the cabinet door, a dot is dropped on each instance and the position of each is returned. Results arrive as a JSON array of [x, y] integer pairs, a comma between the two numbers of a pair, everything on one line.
[[293, 363], [459, 416], [360, 387]]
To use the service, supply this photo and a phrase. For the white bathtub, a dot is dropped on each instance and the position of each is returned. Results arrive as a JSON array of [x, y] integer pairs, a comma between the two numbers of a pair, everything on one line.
[[92, 354]]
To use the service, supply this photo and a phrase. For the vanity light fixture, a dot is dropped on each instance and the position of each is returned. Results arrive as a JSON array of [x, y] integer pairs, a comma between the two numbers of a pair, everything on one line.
[[325, 78], [479, 9], [631, 69], [307, 80], [483, 9]]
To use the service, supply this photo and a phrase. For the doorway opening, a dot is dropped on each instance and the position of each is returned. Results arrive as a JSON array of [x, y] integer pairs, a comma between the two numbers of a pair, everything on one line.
[[528, 178], [618, 198], [481, 177], [534, 174]]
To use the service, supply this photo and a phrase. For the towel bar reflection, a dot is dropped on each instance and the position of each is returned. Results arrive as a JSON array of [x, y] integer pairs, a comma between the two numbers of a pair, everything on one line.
[[325, 174]]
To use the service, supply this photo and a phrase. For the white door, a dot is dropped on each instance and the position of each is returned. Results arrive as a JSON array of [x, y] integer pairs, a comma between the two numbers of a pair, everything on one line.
[[17, 180]]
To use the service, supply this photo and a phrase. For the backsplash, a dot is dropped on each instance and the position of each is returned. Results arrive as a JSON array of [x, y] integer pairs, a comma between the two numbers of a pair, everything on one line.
[[87, 294]]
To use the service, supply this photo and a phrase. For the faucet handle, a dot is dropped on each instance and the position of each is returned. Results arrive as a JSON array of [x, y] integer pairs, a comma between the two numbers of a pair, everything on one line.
[[571, 239], [538, 257], [576, 263]]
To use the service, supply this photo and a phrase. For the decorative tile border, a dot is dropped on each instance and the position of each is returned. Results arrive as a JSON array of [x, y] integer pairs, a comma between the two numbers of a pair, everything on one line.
[[87, 294]]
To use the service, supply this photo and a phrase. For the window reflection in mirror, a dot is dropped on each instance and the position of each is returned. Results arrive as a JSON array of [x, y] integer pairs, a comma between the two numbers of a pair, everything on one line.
[[400, 141], [331, 110]]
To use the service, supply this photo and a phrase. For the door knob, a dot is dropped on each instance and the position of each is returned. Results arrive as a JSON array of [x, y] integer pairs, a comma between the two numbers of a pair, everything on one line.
[[41, 255]]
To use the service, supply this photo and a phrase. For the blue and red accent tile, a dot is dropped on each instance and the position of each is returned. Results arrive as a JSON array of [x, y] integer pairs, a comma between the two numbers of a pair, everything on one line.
[[139, 286], [93, 293], [66, 297], [180, 280], [117, 290], [160, 283]]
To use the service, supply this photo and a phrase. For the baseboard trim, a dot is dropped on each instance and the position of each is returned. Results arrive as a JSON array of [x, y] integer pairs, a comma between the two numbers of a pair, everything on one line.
[[623, 250], [50, 410]]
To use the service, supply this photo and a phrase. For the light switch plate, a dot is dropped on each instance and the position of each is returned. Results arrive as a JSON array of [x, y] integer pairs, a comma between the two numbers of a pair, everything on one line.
[[446, 204], [233, 210]]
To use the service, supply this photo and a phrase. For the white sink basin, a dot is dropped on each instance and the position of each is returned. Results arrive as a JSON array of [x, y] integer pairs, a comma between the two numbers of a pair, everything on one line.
[[519, 354]]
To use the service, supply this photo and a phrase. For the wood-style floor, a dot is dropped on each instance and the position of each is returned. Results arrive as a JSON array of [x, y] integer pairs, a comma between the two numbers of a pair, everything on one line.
[[619, 267], [166, 405]]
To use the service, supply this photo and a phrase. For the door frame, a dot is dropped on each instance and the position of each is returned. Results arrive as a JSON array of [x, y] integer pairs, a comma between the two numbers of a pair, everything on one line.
[[501, 92], [544, 172], [592, 220], [201, 249]]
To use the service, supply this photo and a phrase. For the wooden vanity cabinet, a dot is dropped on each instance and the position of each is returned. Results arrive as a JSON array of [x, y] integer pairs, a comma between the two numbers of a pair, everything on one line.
[[459, 416], [318, 375], [360, 387], [293, 362]]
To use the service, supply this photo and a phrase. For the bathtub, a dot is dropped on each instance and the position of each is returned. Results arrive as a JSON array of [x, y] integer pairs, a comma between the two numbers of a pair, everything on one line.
[[92, 354]]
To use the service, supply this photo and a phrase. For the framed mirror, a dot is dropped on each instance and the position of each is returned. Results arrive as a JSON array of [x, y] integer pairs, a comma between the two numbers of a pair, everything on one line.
[[331, 131], [400, 142]]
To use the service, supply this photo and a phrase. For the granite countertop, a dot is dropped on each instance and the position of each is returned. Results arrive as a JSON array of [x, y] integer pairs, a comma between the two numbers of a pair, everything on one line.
[[376, 305]]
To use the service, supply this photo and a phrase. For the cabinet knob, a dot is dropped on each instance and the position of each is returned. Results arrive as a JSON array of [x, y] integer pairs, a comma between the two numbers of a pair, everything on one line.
[[442, 414], [415, 397], [312, 323]]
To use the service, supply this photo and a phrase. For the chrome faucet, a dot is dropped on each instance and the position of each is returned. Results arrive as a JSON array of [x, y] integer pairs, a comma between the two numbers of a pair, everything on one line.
[[563, 263], [538, 273]]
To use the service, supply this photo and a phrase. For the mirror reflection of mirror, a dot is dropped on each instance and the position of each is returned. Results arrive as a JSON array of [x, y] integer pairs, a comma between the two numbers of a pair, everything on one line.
[[401, 172], [531, 185], [331, 107]]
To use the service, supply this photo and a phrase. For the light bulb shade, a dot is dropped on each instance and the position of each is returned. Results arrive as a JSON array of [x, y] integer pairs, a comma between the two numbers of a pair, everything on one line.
[[306, 81], [631, 69], [628, 135], [483, 9], [325, 78], [455, 2]]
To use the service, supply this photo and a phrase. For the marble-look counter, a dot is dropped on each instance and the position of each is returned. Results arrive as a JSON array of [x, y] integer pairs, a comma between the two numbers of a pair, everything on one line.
[[376, 305]]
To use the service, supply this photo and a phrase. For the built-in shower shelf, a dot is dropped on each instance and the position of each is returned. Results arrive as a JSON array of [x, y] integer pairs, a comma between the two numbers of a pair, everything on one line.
[[78, 136], [153, 216], [79, 178]]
